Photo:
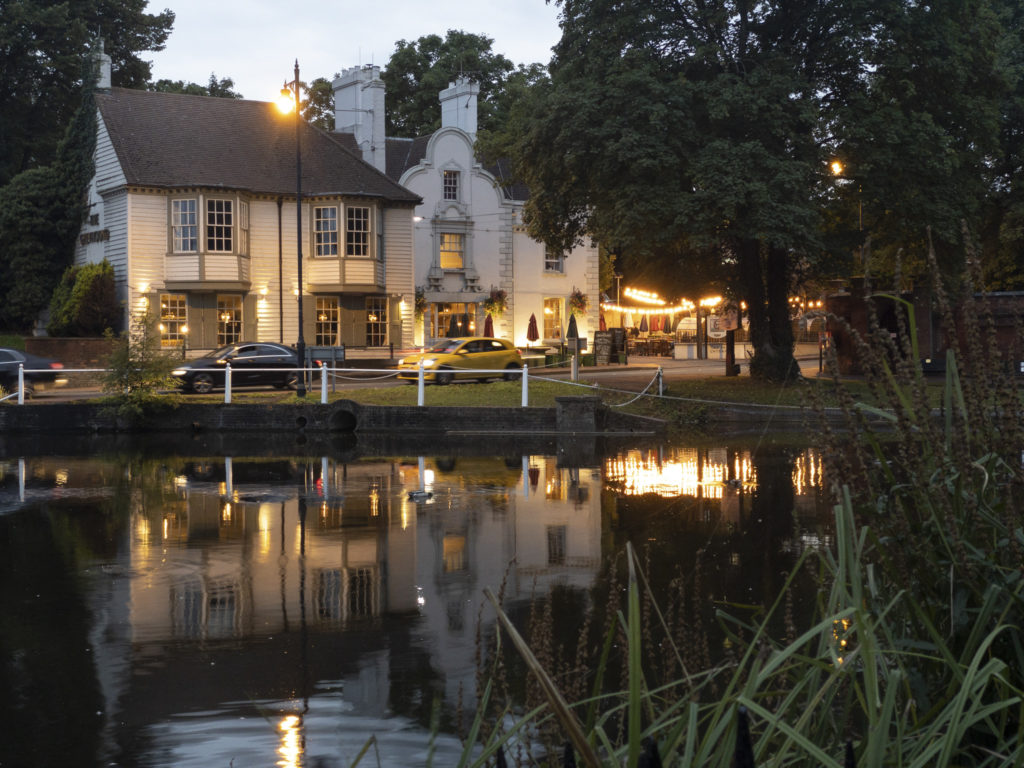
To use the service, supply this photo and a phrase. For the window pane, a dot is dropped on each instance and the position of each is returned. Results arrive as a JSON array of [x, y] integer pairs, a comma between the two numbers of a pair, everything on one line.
[[451, 185], [554, 261], [376, 321], [327, 316], [173, 319], [184, 230], [325, 231], [219, 222], [357, 231], [229, 320], [451, 250]]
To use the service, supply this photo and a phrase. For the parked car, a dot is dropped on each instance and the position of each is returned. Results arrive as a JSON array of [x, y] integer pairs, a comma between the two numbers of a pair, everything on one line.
[[252, 364], [40, 372], [448, 359]]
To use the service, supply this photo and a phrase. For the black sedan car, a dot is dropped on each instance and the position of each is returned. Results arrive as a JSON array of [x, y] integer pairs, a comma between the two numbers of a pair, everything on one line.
[[40, 372], [252, 364]]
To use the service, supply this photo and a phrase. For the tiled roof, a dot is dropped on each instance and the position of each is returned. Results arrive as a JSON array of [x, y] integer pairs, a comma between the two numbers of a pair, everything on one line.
[[176, 140], [403, 154]]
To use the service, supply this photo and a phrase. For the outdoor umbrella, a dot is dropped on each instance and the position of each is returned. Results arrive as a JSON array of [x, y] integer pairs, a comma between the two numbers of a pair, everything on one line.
[[531, 330], [602, 325], [573, 332], [488, 326], [453, 327], [643, 324]]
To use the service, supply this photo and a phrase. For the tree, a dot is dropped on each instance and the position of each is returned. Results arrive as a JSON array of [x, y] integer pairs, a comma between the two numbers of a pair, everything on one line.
[[319, 109], [85, 302], [223, 88], [41, 212], [42, 46], [418, 71]]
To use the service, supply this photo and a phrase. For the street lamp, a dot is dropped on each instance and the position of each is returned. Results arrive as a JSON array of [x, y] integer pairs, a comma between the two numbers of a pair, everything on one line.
[[289, 100], [837, 170]]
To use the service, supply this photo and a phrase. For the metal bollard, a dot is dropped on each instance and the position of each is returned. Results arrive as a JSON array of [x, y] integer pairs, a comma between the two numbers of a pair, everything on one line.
[[661, 382], [21, 384], [227, 383], [323, 383], [419, 385], [526, 387], [575, 368]]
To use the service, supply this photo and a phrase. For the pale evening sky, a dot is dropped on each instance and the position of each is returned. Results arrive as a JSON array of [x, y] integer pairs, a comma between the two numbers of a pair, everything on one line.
[[256, 42]]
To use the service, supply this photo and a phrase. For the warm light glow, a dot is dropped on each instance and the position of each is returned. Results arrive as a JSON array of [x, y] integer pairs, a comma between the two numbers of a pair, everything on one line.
[[184, 329], [837, 168], [684, 305], [645, 297], [286, 101], [143, 287], [291, 749], [711, 301], [264, 291]]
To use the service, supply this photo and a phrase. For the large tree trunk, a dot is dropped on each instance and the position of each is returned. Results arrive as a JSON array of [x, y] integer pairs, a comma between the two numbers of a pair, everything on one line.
[[764, 273]]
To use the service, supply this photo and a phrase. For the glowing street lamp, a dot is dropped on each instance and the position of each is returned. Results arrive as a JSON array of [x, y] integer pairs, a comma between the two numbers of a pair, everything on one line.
[[286, 102]]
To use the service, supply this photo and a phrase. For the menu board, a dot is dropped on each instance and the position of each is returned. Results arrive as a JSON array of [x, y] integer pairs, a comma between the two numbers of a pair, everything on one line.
[[602, 347]]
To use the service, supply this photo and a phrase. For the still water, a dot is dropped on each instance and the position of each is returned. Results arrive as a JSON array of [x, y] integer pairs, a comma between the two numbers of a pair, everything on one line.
[[279, 606]]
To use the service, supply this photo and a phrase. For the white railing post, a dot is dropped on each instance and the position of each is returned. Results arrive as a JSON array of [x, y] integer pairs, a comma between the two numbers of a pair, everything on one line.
[[227, 383], [21, 384], [661, 383], [526, 387], [323, 383], [575, 368], [419, 385]]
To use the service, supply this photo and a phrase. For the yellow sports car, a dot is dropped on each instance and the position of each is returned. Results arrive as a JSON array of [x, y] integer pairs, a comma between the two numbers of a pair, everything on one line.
[[479, 357]]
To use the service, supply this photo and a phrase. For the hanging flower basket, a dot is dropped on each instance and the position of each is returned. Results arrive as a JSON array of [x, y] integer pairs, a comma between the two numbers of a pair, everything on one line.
[[496, 304], [578, 302]]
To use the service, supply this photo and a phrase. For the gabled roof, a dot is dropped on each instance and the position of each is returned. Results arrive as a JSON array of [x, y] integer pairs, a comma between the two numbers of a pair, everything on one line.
[[177, 140], [403, 154]]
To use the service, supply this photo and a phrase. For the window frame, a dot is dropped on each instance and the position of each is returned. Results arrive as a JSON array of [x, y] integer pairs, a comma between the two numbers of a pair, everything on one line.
[[376, 321], [325, 246], [173, 327], [356, 238], [178, 237], [229, 319], [327, 317], [223, 231], [442, 250], [450, 184], [553, 320], [554, 262]]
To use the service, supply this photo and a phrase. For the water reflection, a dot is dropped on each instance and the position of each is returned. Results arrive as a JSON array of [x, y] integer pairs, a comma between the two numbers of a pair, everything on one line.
[[279, 610]]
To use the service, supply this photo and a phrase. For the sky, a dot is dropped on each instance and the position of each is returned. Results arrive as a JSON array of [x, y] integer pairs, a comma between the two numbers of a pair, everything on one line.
[[256, 42]]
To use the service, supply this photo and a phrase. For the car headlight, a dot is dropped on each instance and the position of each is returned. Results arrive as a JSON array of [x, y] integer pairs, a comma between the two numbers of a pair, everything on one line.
[[429, 363], [179, 372]]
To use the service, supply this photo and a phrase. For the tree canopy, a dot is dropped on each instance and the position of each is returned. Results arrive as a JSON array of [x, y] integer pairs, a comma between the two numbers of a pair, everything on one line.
[[692, 134], [222, 88], [42, 48], [419, 70]]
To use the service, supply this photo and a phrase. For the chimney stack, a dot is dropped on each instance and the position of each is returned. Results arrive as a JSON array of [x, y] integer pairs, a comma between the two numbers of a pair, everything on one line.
[[359, 110], [458, 105]]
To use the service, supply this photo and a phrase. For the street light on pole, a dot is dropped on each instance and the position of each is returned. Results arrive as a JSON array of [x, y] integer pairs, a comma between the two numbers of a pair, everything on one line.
[[837, 170], [290, 100]]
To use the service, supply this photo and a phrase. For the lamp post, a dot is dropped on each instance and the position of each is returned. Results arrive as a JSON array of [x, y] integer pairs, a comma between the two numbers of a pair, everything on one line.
[[290, 92], [837, 170]]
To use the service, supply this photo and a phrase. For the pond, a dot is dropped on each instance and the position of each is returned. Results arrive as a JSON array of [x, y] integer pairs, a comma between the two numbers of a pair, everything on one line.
[[250, 604]]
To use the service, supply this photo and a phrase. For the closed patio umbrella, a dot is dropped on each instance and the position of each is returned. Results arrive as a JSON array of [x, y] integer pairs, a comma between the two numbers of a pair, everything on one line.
[[643, 324], [488, 326], [453, 327], [572, 332], [602, 325], [532, 334]]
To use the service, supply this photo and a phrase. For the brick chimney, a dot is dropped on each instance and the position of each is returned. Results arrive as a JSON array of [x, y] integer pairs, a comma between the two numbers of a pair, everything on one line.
[[359, 110]]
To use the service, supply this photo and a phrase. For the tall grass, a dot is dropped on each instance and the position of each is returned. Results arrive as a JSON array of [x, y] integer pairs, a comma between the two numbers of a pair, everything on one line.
[[914, 656]]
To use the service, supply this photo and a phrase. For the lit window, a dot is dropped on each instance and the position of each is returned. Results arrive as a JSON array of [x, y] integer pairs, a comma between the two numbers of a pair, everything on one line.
[[357, 231], [173, 319], [376, 321], [451, 185], [219, 223], [552, 318], [184, 227], [452, 250], [325, 225], [229, 320], [554, 261], [327, 316]]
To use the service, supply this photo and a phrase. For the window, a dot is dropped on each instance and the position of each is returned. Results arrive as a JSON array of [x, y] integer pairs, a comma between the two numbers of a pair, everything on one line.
[[327, 316], [556, 545], [229, 320], [552, 318], [452, 250], [325, 227], [451, 185], [554, 261], [455, 319], [219, 224], [184, 229], [357, 231], [172, 319], [376, 321], [243, 228], [360, 592]]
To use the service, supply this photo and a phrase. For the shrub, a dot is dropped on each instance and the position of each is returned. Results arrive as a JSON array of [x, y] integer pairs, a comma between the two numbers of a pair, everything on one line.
[[138, 369], [85, 302]]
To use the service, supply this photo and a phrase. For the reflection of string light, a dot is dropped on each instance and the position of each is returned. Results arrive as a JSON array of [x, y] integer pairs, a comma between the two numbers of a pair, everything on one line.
[[374, 502], [291, 749]]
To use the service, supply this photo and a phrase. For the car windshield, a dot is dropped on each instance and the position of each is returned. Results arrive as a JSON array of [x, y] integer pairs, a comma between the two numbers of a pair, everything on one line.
[[446, 345]]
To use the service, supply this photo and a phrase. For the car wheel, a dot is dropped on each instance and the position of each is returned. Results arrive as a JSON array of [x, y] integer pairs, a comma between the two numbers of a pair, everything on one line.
[[291, 381], [202, 384], [444, 376], [512, 372]]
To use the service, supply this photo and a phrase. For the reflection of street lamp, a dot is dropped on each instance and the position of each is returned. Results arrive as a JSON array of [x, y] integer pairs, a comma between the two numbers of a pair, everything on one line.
[[290, 92]]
